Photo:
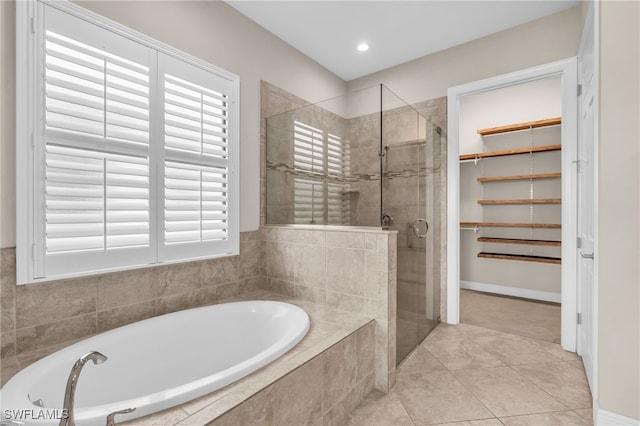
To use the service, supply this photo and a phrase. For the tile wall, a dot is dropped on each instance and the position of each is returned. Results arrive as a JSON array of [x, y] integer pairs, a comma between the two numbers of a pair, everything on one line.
[[400, 127], [364, 136], [325, 390], [38, 319], [351, 269], [273, 101], [281, 174]]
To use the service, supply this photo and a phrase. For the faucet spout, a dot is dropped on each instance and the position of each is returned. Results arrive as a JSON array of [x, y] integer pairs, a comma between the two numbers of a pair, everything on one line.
[[72, 382]]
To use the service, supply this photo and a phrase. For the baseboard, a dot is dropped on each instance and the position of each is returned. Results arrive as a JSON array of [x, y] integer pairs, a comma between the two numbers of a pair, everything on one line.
[[546, 296], [607, 418]]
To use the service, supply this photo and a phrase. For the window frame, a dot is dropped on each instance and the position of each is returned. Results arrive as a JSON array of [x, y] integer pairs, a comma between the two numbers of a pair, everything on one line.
[[29, 92]]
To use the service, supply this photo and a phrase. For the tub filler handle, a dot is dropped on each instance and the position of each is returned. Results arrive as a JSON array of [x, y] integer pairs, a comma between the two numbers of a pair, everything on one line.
[[111, 421]]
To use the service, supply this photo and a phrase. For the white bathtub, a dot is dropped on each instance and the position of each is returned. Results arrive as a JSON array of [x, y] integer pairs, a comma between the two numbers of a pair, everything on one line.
[[158, 363]]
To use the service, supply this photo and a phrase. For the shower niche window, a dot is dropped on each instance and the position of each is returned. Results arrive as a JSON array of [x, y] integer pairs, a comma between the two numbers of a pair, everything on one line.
[[352, 161]]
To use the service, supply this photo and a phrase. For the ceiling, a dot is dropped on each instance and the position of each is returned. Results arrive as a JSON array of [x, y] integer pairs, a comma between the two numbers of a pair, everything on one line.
[[397, 31]]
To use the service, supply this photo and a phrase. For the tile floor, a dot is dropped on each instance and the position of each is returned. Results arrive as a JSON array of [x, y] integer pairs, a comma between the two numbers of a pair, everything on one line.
[[471, 375], [539, 320]]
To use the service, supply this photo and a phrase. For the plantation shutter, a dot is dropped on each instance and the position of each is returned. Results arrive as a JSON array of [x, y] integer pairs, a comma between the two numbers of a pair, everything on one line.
[[197, 182], [95, 183], [128, 149]]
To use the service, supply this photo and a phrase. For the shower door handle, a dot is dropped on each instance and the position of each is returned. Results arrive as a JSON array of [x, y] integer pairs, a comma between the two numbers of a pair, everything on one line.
[[417, 227]]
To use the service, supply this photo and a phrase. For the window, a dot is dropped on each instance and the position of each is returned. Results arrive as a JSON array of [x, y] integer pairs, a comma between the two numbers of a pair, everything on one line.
[[127, 149], [322, 158]]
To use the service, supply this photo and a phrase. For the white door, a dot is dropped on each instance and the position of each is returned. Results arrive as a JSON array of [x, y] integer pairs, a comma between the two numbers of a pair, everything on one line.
[[586, 199]]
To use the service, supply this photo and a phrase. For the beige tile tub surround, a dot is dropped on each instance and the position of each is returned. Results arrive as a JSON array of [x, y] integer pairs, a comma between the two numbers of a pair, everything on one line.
[[38, 319], [320, 381], [346, 268], [344, 364]]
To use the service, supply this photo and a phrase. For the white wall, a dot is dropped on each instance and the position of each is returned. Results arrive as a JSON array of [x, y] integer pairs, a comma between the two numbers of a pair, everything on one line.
[[618, 252], [526, 102], [209, 30], [7, 126], [538, 42]]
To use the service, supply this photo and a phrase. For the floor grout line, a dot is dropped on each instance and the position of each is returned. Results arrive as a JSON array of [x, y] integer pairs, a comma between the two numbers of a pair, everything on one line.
[[463, 385], [543, 390], [404, 408]]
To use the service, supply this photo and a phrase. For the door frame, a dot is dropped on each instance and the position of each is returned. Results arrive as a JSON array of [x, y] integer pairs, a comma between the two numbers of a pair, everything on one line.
[[591, 34], [567, 70]]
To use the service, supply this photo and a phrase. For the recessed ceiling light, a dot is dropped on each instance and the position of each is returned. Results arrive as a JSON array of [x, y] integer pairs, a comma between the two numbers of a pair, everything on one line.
[[363, 47]]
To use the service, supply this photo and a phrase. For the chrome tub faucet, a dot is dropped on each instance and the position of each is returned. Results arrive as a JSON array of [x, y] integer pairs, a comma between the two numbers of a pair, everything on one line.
[[72, 382]]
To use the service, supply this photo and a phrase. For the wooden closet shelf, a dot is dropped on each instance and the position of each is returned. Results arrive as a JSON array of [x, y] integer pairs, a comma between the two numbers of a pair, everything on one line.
[[511, 225], [520, 126], [522, 201], [526, 258], [519, 177], [520, 241], [514, 151]]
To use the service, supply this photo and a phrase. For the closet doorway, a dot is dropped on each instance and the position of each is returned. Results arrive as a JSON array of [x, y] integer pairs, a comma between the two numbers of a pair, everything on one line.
[[511, 186], [510, 209]]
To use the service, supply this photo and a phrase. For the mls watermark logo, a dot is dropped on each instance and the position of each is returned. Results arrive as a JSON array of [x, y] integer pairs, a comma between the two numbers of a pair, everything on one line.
[[35, 414]]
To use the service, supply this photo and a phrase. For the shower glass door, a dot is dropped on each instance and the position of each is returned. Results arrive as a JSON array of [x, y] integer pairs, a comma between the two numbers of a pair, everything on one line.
[[410, 153]]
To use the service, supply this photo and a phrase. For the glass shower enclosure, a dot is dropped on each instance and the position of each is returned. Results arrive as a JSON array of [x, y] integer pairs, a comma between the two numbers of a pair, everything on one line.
[[366, 159]]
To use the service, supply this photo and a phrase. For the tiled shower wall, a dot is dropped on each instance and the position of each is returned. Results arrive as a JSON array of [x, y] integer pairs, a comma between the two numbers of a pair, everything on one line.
[[38, 319], [347, 269], [361, 186], [280, 170], [364, 136], [363, 132], [273, 101]]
